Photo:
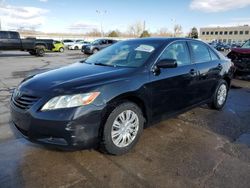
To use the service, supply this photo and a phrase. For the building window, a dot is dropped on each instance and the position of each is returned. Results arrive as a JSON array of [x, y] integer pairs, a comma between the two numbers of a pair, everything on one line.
[[236, 32], [225, 32], [241, 32], [246, 32], [224, 40], [203, 33], [216, 32], [207, 33], [221, 32], [230, 32], [211, 33]]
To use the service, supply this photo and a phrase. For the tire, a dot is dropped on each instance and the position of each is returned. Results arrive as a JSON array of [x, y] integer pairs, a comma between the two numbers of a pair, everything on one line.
[[61, 49], [220, 95], [40, 50], [131, 131], [76, 48], [95, 51], [33, 52]]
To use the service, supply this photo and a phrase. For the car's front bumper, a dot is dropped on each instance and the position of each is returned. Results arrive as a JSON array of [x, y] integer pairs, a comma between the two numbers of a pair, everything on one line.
[[87, 51], [67, 128]]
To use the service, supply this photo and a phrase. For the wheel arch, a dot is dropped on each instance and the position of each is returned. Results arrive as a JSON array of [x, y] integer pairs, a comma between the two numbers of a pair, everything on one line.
[[95, 48], [228, 80], [121, 99], [40, 44]]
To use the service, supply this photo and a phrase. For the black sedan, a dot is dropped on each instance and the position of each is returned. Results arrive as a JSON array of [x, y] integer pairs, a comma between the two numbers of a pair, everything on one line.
[[222, 47], [105, 101]]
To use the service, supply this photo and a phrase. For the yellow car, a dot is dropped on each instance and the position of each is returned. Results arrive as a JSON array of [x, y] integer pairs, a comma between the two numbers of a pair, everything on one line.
[[58, 46]]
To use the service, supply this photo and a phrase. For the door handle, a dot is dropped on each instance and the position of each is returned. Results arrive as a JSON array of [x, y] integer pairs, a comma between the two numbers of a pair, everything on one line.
[[193, 72]]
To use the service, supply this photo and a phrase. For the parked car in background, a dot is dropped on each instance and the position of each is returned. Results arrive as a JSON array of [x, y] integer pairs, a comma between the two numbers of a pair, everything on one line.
[[234, 45], [241, 58], [107, 99], [10, 40], [58, 46], [213, 44], [97, 45], [67, 42], [78, 45], [222, 47]]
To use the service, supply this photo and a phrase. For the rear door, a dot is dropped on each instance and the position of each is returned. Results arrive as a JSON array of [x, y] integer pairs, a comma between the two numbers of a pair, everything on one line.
[[173, 88], [208, 66]]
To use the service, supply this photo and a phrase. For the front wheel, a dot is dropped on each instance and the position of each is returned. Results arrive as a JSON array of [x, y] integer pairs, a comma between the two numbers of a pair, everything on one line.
[[122, 129], [33, 52], [220, 95], [95, 51], [61, 49]]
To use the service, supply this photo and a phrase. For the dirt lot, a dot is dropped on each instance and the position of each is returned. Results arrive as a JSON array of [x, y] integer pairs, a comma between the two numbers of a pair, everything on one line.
[[200, 148]]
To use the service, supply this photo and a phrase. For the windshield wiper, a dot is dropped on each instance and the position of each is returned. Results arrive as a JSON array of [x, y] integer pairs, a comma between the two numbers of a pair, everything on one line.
[[83, 61], [103, 64]]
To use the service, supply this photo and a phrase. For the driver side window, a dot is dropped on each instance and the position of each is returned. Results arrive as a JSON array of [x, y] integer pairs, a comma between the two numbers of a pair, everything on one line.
[[177, 51]]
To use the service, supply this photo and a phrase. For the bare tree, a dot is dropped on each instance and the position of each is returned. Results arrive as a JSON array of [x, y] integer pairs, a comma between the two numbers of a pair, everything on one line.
[[135, 29], [163, 32], [94, 33], [177, 30]]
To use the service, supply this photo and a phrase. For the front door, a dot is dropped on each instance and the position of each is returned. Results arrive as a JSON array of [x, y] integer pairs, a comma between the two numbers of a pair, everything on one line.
[[173, 89]]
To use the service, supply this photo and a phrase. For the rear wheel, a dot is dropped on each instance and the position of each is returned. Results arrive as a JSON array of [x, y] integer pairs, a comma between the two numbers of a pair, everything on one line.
[[122, 129], [40, 50], [220, 95], [76, 48]]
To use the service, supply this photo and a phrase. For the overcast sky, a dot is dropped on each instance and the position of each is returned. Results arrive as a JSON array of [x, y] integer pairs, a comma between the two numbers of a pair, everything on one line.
[[82, 16]]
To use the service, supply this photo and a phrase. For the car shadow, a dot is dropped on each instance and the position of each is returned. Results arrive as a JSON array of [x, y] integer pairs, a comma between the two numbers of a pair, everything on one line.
[[14, 55]]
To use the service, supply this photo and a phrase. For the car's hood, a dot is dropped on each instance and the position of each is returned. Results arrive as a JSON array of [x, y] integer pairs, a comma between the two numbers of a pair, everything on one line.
[[75, 76], [241, 50]]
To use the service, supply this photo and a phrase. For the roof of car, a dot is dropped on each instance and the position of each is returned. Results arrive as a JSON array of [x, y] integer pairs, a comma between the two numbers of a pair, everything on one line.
[[169, 39]]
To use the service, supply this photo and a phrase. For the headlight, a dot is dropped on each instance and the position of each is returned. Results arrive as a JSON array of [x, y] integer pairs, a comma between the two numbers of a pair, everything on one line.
[[68, 101]]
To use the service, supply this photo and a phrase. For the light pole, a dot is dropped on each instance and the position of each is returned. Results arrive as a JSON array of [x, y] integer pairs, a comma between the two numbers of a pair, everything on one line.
[[101, 13]]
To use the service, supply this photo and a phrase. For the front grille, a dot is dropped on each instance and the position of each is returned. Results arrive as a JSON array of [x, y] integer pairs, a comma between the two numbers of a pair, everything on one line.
[[24, 101]]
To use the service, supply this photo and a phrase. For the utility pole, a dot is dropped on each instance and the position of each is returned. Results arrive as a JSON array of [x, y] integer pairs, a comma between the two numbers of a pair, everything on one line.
[[144, 25], [101, 13]]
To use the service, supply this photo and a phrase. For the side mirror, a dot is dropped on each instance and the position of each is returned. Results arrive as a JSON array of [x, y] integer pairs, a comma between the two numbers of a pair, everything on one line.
[[167, 63]]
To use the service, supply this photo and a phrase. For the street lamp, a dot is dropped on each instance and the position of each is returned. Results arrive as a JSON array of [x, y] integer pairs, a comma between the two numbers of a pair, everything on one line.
[[101, 13]]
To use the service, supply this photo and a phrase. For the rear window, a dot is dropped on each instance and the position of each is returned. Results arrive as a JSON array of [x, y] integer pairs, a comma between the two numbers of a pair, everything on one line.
[[4, 35], [200, 52], [213, 55]]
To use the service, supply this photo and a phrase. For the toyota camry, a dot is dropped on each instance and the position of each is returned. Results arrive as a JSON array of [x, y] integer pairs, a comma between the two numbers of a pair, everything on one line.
[[106, 100]]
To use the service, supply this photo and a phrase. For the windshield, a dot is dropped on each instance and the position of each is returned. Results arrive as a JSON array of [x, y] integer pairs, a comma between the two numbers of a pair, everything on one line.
[[125, 54], [96, 42], [246, 45]]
